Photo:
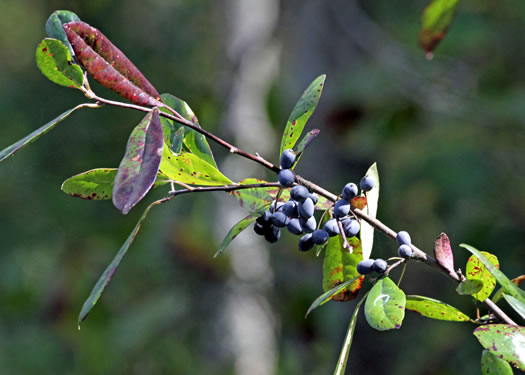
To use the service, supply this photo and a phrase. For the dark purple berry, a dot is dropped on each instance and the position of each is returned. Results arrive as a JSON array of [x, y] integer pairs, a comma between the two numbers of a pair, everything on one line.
[[299, 193], [259, 229], [403, 238], [349, 191], [351, 227], [309, 224], [331, 227], [366, 183], [405, 251], [305, 242], [306, 208], [279, 219], [265, 218], [319, 237], [286, 177], [272, 234], [272, 206], [290, 208], [287, 159], [364, 267], [313, 197], [341, 208], [380, 265], [294, 226]]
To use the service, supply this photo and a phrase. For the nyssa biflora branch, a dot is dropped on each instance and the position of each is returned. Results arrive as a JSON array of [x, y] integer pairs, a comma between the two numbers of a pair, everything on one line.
[[418, 254]]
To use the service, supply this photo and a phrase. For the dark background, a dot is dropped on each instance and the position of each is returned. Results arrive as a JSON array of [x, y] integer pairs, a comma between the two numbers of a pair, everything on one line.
[[447, 134]]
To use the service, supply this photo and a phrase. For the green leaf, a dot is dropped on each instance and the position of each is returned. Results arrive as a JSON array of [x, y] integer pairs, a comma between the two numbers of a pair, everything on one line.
[[252, 199], [516, 281], [301, 113], [434, 309], [54, 61], [104, 280], [516, 304], [339, 265], [491, 364], [475, 270], [301, 146], [469, 287], [55, 29], [109, 66], [507, 285], [385, 305], [11, 150], [504, 340], [435, 21], [345, 350], [97, 184], [236, 230], [139, 166], [194, 142], [327, 296], [177, 141], [190, 169], [372, 196]]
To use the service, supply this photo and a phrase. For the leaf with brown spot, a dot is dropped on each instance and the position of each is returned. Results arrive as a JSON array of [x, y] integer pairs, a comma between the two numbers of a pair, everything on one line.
[[504, 340], [139, 166], [435, 21], [475, 270], [109, 66], [301, 113], [358, 202], [443, 253]]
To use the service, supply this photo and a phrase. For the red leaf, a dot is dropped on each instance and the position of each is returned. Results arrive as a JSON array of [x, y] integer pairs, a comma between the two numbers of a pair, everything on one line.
[[109, 66], [443, 254], [358, 202]]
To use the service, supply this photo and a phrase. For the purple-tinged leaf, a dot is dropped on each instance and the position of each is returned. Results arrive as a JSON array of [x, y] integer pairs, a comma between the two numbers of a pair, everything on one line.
[[301, 113], [109, 66], [435, 21], [385, 305], [444, 255], [236, 230], [516, 281], [505, 341], [30, 138], [491, 364], [469, 287], [475, 270], [104, 280], [307, 139], [97, 184], [139, 167]]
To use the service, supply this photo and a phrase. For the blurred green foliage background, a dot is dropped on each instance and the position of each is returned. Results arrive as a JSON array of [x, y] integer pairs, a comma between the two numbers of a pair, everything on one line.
[[448, 136]]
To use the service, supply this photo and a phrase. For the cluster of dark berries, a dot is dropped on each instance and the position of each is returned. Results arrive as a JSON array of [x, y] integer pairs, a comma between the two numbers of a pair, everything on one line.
[[404, 242], [297, 215], [372, 265], [286, 176]]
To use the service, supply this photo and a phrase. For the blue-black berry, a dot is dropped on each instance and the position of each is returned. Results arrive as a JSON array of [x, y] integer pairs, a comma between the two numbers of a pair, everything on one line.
[[364, 267], [286, 177], [305, 242], [351, 227], [366, 183], [319, 237], [299, 193], [290, 208], [287, 159], [349, 191], [294, 226], [341, 208], [272, 234], [260, 229], [279, 219], [313, 197], [331, 227], [309, 224], [405, 251], [278, 206], [306, 208], [265, 218], [403, 238], [380, 265]]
